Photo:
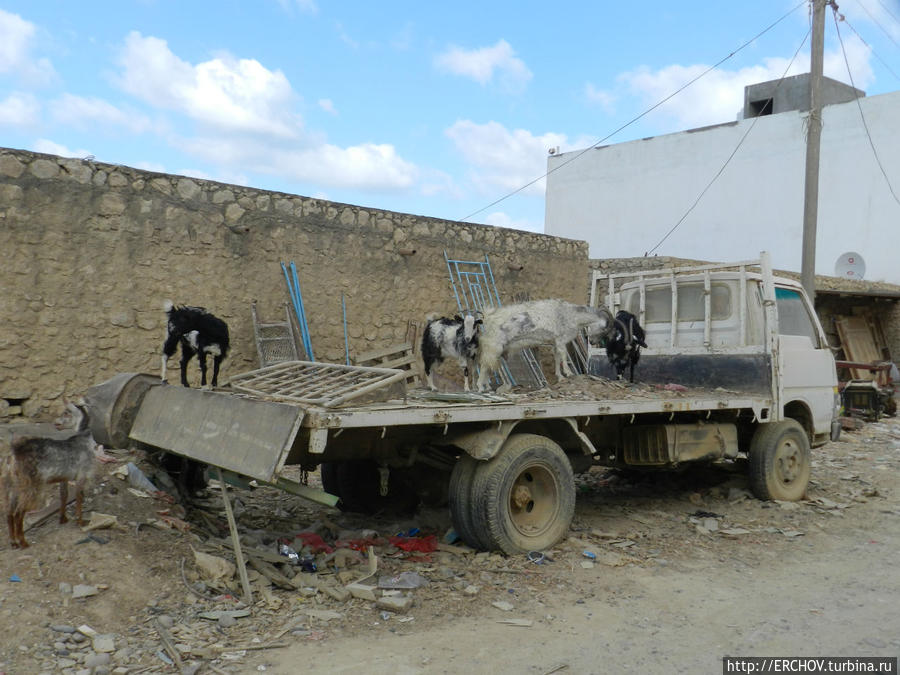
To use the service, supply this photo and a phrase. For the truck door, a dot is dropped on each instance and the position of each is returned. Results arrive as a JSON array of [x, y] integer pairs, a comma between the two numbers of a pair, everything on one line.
[[805, 361]]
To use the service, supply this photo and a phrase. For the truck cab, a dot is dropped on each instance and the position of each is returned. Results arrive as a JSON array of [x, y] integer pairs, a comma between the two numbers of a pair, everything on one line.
[[733, 326]]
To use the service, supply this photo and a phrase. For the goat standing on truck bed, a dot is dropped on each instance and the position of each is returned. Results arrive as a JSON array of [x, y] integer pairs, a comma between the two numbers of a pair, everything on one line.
[[531, 324], [198, 332], [623, 348], [450, 338]]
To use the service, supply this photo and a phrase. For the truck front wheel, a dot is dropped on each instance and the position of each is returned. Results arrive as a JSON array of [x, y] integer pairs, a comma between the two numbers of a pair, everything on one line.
[[524, 498], [780, 461]]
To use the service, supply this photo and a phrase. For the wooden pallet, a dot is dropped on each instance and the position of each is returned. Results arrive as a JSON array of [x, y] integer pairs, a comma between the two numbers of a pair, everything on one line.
[[400, 356]]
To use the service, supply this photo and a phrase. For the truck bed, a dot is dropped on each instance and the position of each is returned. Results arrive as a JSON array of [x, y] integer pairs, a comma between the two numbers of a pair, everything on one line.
[[577, 396]]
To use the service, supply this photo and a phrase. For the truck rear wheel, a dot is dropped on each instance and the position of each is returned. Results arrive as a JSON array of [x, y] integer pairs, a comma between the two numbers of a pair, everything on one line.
[[461, 505], [524, 498], [780, 461]]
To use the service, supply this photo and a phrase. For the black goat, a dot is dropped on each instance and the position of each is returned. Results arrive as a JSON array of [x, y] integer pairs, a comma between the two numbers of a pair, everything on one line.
[[198, 332], [450, 338], [623, 349]]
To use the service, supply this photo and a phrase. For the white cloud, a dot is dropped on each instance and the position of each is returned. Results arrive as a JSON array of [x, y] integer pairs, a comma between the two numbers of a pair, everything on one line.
[[327, 105], [858, 58], [599, 97], [19, 110], [504, 159], [482, 65], [85, 113], [345, 37], [307, 6], [246, 121], [16, 36], [52, 148], [231, 94], [719, 95], [500, 219], [367, 166]]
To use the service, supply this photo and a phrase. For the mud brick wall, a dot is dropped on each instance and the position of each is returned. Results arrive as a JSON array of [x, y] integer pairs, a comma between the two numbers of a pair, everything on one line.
[[91, 251]]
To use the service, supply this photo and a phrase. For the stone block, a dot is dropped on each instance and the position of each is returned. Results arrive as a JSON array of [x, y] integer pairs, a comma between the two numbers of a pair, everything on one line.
[[10, 166], [222, 196], [362, 591], [395, 603], [44, 168], [188, 189]]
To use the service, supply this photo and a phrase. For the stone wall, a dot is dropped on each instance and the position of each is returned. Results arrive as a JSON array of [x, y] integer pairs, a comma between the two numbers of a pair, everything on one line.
[[91, 251]]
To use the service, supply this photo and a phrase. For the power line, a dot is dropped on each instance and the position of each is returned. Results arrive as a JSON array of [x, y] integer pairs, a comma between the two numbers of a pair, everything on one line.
[[733, 153], [877, 23], [883, 62], [861, 115], [635, 119], [889, 12]]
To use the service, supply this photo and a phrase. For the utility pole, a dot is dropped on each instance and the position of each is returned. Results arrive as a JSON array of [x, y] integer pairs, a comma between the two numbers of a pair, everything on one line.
[[813, 139]]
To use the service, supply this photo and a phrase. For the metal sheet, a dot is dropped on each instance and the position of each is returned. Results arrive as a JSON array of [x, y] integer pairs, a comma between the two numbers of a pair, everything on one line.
[[248, 437]]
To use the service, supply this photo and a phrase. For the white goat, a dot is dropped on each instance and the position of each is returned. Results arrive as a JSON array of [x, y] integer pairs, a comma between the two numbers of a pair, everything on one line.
[[531, 324]]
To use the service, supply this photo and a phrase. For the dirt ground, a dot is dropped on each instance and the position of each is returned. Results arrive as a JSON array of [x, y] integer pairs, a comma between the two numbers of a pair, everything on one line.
[[665, 572]]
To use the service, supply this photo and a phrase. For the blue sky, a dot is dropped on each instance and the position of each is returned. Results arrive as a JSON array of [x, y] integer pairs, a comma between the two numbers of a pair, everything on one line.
[[434, 109]]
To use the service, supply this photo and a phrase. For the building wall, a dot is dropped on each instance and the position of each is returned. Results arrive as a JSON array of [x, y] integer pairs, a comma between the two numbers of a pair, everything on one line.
[[623, 199], [91, 251]]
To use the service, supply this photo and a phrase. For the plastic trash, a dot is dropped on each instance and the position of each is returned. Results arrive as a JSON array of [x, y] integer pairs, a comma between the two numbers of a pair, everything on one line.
[[402, 581], [590, 555], [136, 478], [289, 553]]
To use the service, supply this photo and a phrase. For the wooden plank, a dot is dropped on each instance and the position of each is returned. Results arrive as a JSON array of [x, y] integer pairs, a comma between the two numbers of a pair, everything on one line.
[[382, 353], [858, 343], [407, 360]]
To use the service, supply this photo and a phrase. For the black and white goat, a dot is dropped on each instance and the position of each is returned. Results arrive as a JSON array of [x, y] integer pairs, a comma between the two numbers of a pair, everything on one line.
[[455, 338], [198, 332], [531, 324], [623, 348]]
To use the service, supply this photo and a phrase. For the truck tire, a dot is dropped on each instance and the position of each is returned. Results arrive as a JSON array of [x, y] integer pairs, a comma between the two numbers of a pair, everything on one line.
[[460, 497], [524, 498], [780, 461]]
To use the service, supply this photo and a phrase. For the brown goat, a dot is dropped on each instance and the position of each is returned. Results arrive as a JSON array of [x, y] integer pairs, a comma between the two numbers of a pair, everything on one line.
[[36, 461]]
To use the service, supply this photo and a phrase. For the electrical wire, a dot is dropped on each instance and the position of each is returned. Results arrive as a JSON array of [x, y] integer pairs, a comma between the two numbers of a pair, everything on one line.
[[733, 153], [635, 119], [861, 115], [877, 23], [883, 62]]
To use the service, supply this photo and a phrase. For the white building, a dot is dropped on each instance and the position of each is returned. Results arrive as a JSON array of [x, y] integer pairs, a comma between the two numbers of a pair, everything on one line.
[[623, 199]]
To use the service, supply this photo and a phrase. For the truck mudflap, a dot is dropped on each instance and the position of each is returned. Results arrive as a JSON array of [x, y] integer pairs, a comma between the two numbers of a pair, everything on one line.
[[835, 429]]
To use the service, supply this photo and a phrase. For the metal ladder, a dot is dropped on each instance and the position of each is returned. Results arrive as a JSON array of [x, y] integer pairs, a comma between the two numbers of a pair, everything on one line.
[[474, 290], [275, 340]]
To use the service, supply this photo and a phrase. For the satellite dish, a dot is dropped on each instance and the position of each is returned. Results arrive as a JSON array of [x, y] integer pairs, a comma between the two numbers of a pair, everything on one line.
[[850, 266]]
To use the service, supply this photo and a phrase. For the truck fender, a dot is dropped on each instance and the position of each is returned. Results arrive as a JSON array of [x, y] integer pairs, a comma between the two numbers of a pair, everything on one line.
[[486, 443]]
